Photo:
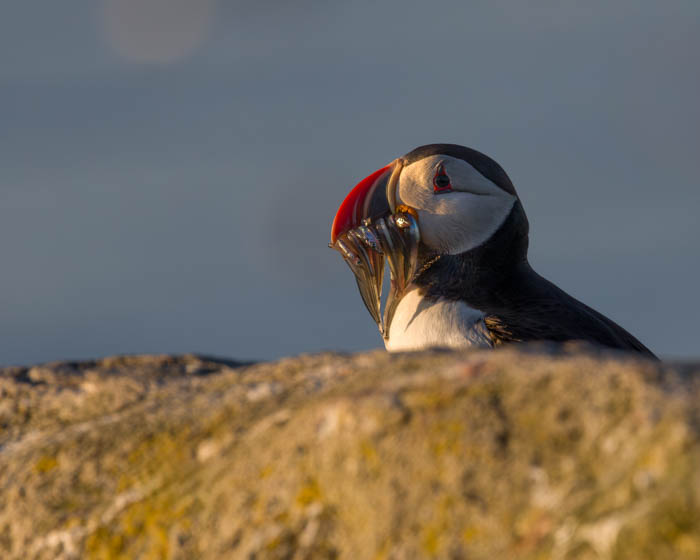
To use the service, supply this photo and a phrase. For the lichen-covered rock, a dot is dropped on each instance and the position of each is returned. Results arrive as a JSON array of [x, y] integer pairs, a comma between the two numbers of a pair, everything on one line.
[[532, 452]]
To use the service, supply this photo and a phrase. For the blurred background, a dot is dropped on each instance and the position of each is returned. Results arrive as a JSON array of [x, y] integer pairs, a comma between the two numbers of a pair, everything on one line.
[[169, 169]]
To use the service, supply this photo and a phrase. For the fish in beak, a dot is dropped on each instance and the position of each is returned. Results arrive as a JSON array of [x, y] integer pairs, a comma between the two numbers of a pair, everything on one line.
[[370, 229]]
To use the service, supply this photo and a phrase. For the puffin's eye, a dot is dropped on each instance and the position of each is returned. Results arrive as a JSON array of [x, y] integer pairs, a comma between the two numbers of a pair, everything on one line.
[[441, 181]]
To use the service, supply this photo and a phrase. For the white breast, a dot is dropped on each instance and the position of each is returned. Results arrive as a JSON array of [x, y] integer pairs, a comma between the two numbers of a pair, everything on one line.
[[419, 323]]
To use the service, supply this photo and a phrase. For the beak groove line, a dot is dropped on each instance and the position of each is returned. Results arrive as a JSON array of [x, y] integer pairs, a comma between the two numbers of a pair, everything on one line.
[[393, 183]]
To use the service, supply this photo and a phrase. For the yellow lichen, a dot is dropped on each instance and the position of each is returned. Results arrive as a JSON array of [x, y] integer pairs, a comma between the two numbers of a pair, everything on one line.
[[369, 454], [469, 534], [46, 464], [266, 471], [309, 493], [431, 540]]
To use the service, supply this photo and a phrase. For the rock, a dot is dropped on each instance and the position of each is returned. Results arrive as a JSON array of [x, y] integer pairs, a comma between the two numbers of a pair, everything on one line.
[[530, 452]]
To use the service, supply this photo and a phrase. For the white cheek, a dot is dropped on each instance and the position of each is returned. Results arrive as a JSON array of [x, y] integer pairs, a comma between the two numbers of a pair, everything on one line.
[[457, 221], [462, 221]]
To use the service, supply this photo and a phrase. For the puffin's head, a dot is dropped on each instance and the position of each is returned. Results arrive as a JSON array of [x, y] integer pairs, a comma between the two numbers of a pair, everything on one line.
[[459, 200], [461, 197]]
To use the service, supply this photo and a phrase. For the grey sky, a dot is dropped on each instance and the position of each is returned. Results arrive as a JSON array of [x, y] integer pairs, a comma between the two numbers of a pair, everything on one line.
[[186, 205]]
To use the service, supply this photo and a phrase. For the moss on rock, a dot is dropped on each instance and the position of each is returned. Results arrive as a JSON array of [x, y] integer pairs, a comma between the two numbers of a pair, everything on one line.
[[531, 452]]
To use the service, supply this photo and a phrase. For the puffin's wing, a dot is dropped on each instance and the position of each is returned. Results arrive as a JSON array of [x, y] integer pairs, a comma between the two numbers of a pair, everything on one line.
[[559, 317]]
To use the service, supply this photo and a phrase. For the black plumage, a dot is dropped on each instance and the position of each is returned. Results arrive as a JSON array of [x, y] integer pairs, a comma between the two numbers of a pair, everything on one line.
[[496, 278]]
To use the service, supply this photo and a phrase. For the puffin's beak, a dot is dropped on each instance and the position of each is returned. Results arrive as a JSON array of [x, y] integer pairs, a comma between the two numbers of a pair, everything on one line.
[[372, 198], [365, 199], [366, 230]]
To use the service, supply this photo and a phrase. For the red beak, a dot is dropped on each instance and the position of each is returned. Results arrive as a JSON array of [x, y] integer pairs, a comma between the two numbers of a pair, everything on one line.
[[355, 207]]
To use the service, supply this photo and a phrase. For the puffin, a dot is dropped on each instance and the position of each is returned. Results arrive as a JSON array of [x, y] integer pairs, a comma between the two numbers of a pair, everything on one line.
[[449, 221]]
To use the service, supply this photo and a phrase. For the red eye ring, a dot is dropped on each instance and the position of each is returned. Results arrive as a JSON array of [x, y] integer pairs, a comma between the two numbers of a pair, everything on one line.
[[441, 181]]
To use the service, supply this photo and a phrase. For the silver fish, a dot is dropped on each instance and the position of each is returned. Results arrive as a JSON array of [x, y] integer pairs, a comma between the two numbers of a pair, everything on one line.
[[393, 239]]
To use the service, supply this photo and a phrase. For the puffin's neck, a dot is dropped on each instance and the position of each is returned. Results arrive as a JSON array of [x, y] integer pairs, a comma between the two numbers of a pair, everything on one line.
[[482, 277]]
